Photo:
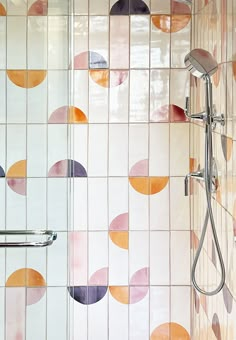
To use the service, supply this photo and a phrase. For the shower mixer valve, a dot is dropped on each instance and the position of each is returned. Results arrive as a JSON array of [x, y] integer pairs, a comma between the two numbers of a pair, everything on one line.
[[203, 115]]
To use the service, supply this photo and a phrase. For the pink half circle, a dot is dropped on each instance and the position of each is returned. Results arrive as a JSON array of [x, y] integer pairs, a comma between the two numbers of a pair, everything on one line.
[[120, 222], [34, 294], [137, 294], [140, 277], [39, 7], [18, 185], [67, 168], [140, 169], [99, 278]]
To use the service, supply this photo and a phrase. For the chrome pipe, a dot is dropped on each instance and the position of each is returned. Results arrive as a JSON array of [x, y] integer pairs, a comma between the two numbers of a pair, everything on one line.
[[51, 237]]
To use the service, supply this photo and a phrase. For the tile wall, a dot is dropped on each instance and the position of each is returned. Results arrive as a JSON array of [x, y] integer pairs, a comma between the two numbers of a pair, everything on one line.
[[214, 27], [95, 145]]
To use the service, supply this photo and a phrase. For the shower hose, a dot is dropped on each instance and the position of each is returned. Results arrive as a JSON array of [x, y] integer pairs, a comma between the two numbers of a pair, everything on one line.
[[208, 216]]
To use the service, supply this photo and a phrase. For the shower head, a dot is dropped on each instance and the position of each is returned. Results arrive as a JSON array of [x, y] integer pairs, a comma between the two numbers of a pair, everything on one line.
[[200, 63]]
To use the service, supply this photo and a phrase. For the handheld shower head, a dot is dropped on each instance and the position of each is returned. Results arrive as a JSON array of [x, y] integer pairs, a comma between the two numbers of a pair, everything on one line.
[[200, 63]]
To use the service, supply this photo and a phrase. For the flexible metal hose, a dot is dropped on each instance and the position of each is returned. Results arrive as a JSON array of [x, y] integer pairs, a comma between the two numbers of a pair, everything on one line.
[[209, 212]]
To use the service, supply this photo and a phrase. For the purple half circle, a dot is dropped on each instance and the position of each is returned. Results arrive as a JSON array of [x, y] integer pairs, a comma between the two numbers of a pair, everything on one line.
[[126, 7], [89, 60], [67, 168], [120, 222], [228, 299], [216, 327], [87, 295], [2, 172]]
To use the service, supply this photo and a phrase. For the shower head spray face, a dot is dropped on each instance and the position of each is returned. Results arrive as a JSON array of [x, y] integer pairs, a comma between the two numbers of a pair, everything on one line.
[[200, 63], [187, 2]]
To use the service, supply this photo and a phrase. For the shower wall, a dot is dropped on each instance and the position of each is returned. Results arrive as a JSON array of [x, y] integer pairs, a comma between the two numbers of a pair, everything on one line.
[[95, 145], [213, 28]]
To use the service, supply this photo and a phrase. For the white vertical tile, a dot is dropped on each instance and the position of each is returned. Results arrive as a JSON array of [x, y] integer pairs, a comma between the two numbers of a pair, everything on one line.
[[57, 90], [36, 152], [57, 305], [160, 48], [81, 7], [3, 147], [138, 143], [180, 312], [2, 203], [58, 7], [3, 96], [100, 8], [159, 6], [139, 319], [138, 210], [159, 150], [98, 35], [58, 42], [97, 204], [139, 96], [119, 42], [2, 311], [159, 210], [3, 38], [80, 144], [139, 41], [119, 103], [36, 203], [15, 257], [118, 320], [57, 192], [37, 104], [159, 306], [57, 143], [16, 103], [179, 149], [80, 203], [98, 320], [81, 80], [98, 251], [57, 261], [16, 42], [159, 258], [37, 41], [138, 252], [15, 210], [118, 150], [118, 265], [16, 7], [180, 257], [78, 316], [98, 149], [179, 205], [98, 102], [80, 31], [118, 197]]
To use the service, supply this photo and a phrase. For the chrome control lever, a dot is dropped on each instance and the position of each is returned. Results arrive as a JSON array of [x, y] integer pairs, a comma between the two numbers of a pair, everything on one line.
[[203, 115], [197, 175], [199, 116]]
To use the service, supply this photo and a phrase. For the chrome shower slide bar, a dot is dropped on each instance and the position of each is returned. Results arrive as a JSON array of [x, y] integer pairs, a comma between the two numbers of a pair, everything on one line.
[[51, 237]]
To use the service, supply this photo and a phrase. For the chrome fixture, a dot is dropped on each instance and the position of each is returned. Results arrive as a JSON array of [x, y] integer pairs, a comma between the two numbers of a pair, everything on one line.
[[202, 65], [188, 2], [51, 237]]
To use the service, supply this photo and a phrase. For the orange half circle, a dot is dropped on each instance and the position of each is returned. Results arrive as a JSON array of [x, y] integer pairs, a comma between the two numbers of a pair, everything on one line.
[[18, 170], [27, 78], [171, 23], [120, 293], [76, 115], [2, 10], [120, 238], [26, 277], [148, 185], [170, 330]]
